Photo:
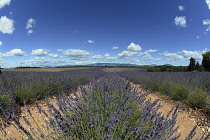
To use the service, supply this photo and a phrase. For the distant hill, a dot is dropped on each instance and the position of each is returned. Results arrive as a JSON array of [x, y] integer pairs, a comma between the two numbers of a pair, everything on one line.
[[111, 64]]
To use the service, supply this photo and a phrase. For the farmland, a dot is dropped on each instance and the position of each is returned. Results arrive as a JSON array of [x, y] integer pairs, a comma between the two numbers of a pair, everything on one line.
[[107, 107]]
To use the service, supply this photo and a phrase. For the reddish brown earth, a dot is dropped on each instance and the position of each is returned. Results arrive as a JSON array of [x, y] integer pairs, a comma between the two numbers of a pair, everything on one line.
[[186, 120]]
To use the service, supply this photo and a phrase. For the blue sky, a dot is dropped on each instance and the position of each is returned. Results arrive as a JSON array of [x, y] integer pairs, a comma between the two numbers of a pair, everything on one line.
[[68, 32]]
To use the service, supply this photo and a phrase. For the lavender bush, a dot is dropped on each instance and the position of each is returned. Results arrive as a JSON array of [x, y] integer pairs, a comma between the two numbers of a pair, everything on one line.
[[108, 109], [15, 87], [178, 85]]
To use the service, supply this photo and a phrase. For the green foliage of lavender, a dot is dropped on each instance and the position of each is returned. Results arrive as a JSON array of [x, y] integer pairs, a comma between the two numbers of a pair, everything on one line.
[[191, 87], [15, 87], [109, 109]]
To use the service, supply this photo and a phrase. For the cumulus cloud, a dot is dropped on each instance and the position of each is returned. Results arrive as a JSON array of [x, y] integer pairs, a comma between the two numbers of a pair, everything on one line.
[[207, 22], [6, 25], [146, 56], [151, 51], [180, 21], [185, 55], [98, 57], [42, 61], [195, 54], [173, 56], [134, 47], [181, 8], [30, 25], [43, 52], [76, 54], [115, 47], [90, 41], [125, 54], [39, 52], [1, 43], [4, 3], [208, 3], [14, 52], [197, 37], [30, 32], [107, 55], [59, 50]]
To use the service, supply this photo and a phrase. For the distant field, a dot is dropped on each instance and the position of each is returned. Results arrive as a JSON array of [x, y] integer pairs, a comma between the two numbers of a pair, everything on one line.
[[126, 69], [46, 69]]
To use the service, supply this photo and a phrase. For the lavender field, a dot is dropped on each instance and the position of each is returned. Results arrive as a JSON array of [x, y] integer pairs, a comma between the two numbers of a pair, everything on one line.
[[193, 88], [107, 108]]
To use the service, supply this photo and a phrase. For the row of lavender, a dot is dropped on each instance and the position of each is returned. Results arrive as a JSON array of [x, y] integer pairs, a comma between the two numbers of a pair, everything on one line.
[[109, 109], [191, 87], [17, 87]]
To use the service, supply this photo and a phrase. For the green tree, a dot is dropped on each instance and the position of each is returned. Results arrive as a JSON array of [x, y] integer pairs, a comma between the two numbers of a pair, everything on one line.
[[206, 61], [191, 66], [163, 68], [197, 66]]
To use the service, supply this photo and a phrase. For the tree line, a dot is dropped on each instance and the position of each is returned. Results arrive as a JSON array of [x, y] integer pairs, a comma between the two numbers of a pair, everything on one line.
[[193, 65]]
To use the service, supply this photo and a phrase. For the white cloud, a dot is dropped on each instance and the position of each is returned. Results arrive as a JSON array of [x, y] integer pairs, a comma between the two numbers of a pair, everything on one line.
[[197, 37], [125, 54], [181, 8], [1, 43], [115, 47], [106, 58], [107, 55], [30, 32], [151, 51], [208, 3], [43, 52], [30, 25], [40, 52], [76, 54], [195, 54], [4, 2], [207, 22], [6, 25], [146, 56], [59, 50], [90, 41], [174, 56], [42, 61], [134, 47], [185, 55], [14, 52], [180, 21], [53, 55], [98, 57]]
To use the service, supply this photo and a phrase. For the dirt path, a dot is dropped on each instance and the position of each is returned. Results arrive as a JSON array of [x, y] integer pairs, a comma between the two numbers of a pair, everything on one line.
[[185, 121]]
